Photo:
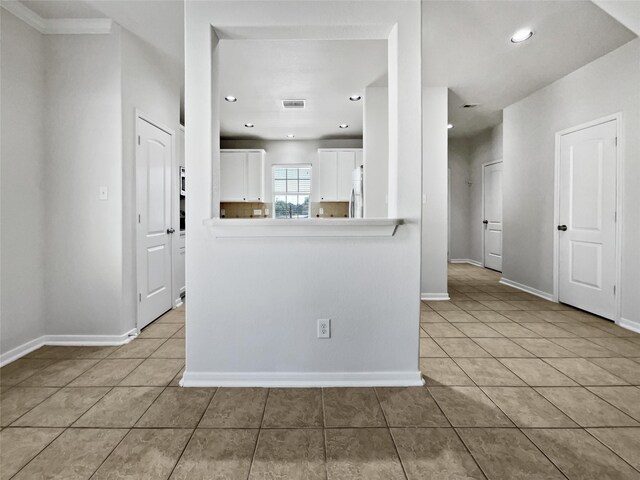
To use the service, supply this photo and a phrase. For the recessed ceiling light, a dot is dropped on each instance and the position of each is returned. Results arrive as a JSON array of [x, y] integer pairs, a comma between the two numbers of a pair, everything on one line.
[[344, 125], [291, 135], [450, 126], [521, 35], [355, 98], [249, 125], [230, 98]]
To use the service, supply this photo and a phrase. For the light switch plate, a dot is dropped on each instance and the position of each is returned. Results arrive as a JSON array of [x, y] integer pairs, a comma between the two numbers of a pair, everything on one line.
[[104, 193], [257, 212]]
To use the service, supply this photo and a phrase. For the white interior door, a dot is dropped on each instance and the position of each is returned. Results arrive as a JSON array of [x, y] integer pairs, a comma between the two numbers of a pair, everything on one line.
[[587, 219], [492, 223], [154, 156]]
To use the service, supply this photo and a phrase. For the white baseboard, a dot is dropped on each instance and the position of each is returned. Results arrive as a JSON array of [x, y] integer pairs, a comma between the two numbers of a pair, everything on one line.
[[466, 260], [71, 340], [302, 379], [434, 296], [632, 325], [21, 351], [527, 289]]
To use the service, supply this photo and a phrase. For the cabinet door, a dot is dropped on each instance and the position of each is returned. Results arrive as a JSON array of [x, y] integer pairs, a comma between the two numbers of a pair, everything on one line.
[[233, 167], [346, 165], [255, 177], [327, 176]]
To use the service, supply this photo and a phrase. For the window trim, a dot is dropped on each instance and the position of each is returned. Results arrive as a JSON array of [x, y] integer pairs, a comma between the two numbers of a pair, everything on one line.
[[274, 192]]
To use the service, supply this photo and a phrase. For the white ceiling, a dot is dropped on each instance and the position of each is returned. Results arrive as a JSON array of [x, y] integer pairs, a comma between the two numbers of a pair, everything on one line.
[[158, 22], [323, 72], [466, 47], [62, 9]]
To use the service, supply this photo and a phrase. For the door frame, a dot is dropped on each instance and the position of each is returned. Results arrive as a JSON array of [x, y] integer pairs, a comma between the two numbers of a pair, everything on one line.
[[140, 115], [619, 216], [487, 164]]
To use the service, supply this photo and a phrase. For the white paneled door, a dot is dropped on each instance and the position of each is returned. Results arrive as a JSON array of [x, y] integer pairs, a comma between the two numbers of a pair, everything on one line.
[[154, 154], [587, 219], [492, 223]]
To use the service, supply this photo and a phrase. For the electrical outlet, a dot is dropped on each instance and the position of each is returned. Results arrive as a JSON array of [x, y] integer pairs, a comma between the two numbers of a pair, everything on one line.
[[321, 211], [257, 212], [324, 328], [266, 211]]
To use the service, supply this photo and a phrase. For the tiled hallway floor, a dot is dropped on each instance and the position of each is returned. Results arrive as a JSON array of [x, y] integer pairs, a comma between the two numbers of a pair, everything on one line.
[[516, 388]]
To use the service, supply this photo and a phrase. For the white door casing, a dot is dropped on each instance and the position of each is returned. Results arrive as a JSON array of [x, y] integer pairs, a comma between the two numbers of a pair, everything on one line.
[[587, 204], [154, 163], [492, 215], [178, 239]]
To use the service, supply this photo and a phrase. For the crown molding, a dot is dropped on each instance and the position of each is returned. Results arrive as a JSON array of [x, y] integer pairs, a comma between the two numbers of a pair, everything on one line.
[[25, 14], [53, 26]]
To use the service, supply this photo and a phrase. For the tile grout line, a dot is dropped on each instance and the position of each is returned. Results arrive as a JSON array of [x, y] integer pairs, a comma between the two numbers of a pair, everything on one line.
[[324, 435], [130, 429], [609, 448], [393, 441], [193, 432], [255, 447]]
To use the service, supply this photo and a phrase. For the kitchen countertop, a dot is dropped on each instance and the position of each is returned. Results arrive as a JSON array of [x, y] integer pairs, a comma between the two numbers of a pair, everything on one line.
[[303, 227]]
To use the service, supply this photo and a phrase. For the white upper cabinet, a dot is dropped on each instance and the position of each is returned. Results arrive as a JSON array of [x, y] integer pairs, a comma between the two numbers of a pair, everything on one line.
[[328, 176], [242, 175], [255, 176], [335, 169]]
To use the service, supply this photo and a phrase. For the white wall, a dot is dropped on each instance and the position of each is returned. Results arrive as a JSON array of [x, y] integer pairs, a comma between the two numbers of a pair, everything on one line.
[[369, 286], [376, 151], [291, 151], [460, 195], [22, 183], [68, 102], [435, 191], [151, 83], [605, 86], [83, 134]]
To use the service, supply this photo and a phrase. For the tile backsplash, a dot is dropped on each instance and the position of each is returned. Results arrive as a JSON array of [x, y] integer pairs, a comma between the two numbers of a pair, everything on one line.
[[265, 210], [245, 210], [329, 209]]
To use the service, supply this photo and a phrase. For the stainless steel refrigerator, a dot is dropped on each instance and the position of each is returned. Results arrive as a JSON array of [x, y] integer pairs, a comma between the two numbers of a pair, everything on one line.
[[356, 201]]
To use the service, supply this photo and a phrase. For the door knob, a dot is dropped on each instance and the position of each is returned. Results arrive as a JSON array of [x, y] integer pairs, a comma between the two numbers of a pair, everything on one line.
[[170, 231], [485, 222], [562, 228]]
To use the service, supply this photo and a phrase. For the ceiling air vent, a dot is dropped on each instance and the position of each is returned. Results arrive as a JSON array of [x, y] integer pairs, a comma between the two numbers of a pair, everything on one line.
[[470, 105], [293, 103]]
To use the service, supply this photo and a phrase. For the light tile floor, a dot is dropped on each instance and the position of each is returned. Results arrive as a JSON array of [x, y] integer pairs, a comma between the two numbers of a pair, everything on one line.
[[516, 388]]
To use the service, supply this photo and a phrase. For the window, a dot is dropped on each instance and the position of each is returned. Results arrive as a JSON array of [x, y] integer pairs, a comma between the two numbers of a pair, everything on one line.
[[291, 191]]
